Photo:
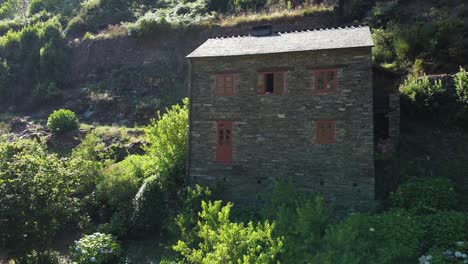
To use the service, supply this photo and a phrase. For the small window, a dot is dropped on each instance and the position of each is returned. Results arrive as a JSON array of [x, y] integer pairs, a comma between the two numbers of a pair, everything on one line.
[[325, 81], [325, 132], [271, 82], [224, 141], [225, 84]]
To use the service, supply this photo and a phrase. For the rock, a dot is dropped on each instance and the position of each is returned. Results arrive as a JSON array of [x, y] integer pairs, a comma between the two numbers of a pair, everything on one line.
[[18, 125]]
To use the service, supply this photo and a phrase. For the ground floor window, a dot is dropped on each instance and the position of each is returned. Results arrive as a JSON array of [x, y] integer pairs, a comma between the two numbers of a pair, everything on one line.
[[224, 139]]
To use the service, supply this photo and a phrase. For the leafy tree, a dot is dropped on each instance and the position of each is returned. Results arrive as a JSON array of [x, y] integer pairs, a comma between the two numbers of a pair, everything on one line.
[[226, 242]]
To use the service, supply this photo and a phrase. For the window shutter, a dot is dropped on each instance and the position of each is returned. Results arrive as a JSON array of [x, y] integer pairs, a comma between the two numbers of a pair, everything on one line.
[[279, 82], [260, 83]]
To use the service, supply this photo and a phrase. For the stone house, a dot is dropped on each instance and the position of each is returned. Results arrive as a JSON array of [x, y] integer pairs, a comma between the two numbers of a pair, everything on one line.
[[284, 105]]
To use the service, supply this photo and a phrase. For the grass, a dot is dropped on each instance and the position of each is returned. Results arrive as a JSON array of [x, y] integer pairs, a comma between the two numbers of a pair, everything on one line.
[[235, 20]]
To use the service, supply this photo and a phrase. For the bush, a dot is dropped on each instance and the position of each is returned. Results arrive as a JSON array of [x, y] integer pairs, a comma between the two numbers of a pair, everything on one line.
[[167, 145], [454, 254], [96, 248], [301, 219], [444, 228], [383, 52], [62, 121], [392, 237], [385, 12], [226, 242], [188, 217], [461, 86], [45, 257], [149, 207], [41, 195], [426, 195], [116, 191]]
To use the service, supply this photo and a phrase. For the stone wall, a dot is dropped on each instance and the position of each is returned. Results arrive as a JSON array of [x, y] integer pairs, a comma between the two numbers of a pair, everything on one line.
[[274, 135], [163, 56]]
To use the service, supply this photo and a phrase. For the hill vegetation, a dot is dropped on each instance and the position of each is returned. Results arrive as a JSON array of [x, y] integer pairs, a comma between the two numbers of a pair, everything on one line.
[[111, 194]]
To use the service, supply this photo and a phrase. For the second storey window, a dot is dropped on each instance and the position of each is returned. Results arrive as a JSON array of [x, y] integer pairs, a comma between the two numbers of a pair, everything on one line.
[[225, 84], [325, 81], [325, 131], [271, 82]]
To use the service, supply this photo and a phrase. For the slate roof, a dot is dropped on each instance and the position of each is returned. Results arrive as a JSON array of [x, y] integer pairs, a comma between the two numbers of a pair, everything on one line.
[[280, 42]]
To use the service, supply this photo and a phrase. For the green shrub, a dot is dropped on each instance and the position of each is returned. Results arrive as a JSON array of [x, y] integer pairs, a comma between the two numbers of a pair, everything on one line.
[[116, 191], [45, 257], [392, 237], [226, 242], [96, 248], [188, 217], [41, 195], [444, 228], [301, 219], [383, 51], [461, 86], [33, 58], [385, 12], [149, 207], [426, 195], [62, 121], [454, 254], [167, 140]]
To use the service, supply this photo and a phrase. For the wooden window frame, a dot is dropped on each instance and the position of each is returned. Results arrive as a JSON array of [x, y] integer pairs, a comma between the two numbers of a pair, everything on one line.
[[325, 72], [264, 74], [224, 155], [224, 77], [325, 139]]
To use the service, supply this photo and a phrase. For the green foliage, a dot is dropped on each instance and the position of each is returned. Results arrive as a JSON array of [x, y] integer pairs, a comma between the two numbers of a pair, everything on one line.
[[108, 144], [32, 58], [392, 237], [384, 13], [188, 217], [41, 195], [96, 248], [461, 86], [455, 254], [45, 257], [149, 207], [444, 228], [62, 121], [421, 94], [301, 219], [226, 242], [116, 190], [10, 9], [383, 52], [426, 195], [167, 140]]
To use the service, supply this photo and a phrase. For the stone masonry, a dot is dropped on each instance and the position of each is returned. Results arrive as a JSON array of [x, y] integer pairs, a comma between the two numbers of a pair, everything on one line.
[[274, 135]]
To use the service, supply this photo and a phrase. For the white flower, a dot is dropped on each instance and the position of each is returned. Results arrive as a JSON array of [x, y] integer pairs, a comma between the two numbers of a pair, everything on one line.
[[458, 254], [372, 229], [464, 256], [92, 259], [429, 257], [460, 243]]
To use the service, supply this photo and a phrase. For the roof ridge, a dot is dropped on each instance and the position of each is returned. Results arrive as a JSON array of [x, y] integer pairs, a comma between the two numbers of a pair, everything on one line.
[[298, 31]]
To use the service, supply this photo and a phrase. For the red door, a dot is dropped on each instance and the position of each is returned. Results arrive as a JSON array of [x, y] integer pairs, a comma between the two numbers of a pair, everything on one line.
[[224, 141]]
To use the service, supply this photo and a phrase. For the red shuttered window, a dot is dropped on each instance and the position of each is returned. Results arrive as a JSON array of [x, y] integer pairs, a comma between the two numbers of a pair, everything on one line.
[[325, 131], [271, 82], [325, 81], [225, 84], [224, 141]]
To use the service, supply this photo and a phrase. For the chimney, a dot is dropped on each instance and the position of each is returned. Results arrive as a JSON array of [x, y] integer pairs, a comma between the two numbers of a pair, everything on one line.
[[260, 31]]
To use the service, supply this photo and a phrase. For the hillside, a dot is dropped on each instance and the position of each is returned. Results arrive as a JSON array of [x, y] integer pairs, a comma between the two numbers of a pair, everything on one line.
[[107, 184]]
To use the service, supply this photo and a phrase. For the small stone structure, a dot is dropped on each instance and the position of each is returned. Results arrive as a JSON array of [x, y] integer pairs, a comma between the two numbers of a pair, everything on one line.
[[287, 105]]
